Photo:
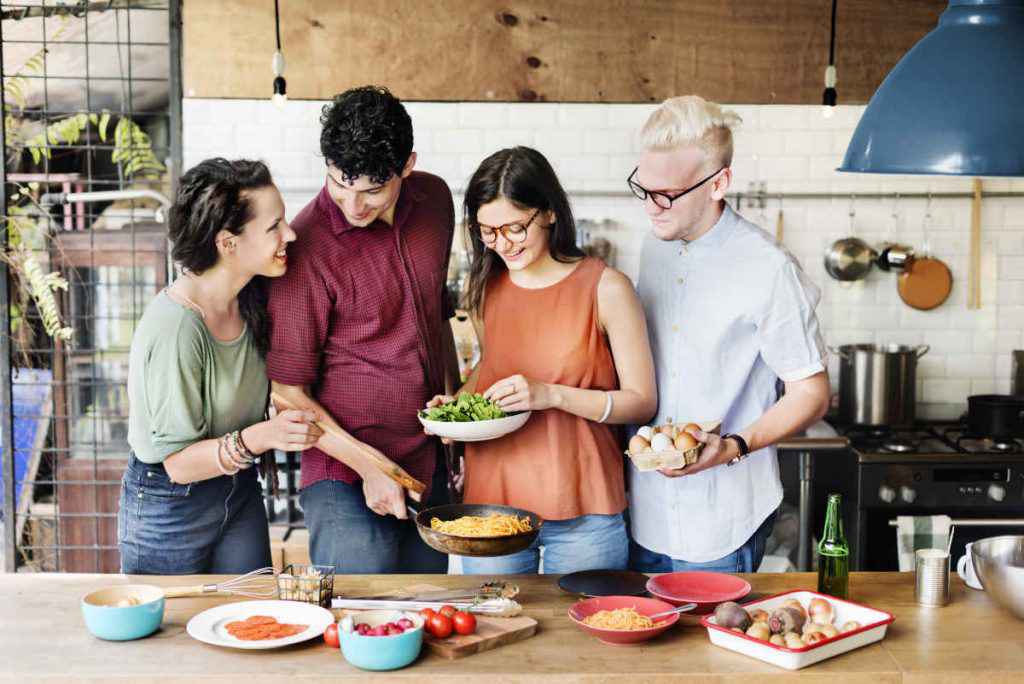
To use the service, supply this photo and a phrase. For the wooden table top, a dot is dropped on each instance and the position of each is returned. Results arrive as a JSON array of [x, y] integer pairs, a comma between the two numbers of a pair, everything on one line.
[[43, 637]]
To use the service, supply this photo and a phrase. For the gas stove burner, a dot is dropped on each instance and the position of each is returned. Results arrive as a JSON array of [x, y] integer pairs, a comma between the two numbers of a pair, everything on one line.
[[900, 445], [1004, 446]]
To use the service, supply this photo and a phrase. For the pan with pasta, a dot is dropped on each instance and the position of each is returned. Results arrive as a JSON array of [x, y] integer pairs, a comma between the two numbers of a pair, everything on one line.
[[478, 529]]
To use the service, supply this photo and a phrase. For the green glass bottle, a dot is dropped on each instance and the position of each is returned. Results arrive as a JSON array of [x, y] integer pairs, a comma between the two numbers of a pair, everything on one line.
[[834, 553]]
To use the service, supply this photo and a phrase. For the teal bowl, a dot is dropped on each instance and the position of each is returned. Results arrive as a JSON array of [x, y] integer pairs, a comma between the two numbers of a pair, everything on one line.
[[122, 613], [382, 652]]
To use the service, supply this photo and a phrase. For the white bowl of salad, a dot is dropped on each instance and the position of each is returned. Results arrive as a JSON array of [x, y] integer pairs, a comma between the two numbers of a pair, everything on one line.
[[471, 418]]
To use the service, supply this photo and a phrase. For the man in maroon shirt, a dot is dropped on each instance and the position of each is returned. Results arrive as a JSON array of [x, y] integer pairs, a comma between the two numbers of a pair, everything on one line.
[[360, 334]]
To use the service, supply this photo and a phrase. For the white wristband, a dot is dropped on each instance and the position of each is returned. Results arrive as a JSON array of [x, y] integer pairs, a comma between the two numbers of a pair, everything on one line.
[[608, 403]]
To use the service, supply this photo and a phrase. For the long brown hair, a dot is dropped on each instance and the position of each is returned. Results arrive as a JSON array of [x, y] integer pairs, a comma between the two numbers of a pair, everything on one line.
[[211, 197], [524, 177]]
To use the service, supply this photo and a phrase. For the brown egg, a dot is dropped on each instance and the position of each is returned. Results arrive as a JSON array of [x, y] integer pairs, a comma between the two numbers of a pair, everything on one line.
[[638, 444], [685, 441], [691, 427]]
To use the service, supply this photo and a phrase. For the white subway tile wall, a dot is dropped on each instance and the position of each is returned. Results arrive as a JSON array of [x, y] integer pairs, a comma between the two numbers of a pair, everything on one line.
[[787, 148]]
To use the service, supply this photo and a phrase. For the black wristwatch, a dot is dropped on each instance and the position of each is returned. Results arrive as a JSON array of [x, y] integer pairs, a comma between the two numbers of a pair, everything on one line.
[[741, 443]]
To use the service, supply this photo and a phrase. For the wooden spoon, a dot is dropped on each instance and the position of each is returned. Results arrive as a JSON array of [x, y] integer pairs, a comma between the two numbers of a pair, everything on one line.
[[383, 463]]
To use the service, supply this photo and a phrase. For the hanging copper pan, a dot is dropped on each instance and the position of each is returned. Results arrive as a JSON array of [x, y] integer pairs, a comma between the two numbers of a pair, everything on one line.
[[926, 283]]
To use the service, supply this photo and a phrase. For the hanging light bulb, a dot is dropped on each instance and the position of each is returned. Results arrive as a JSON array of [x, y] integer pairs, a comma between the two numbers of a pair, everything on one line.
[[828, 97], [280, 96]]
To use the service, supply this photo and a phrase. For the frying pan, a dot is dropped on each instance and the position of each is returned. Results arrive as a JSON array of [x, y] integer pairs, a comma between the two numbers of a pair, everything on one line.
[[474, 546], [926, 283]]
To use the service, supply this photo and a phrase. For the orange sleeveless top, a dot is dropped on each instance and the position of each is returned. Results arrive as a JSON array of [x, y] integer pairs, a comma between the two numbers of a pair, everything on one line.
[[557, 465]]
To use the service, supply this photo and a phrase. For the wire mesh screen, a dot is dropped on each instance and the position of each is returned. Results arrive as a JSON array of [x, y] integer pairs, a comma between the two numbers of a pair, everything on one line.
[[91, 114]]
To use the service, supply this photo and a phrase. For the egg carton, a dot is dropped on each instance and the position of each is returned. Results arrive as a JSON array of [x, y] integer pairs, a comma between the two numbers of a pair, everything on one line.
[[672, 458]]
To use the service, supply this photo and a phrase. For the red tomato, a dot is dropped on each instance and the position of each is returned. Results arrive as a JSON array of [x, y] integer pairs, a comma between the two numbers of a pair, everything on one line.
[[447, 611], [464, 623], [331, 635], [440, 626], [428, 613]]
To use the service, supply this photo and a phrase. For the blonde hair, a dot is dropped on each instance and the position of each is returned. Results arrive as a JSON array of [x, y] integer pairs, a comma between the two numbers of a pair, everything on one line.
[[691, 120]]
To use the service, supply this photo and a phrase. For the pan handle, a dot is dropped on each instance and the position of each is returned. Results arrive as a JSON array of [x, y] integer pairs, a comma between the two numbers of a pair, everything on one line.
[[922, 350], [839, 352]]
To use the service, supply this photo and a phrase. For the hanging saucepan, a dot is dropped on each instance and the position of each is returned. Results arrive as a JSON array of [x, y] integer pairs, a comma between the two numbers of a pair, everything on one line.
[[895, 257], [849, 259], [996, 415], [474, 546]]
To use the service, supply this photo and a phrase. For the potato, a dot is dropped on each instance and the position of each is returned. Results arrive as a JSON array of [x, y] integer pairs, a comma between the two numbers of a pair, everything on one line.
[[821, 611], [778, 640], [793, 640], [759, 615], [850, 626], [759, 630]]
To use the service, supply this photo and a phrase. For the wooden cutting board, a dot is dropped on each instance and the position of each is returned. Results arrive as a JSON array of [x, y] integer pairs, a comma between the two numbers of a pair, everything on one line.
[[491, 632]]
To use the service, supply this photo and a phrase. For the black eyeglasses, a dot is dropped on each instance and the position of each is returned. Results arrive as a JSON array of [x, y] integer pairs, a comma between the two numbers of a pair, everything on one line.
[[662, 199], [513, 232]]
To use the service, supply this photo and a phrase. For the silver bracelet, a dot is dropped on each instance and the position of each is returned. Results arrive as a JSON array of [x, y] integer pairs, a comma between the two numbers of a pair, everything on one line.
[[608, 403]]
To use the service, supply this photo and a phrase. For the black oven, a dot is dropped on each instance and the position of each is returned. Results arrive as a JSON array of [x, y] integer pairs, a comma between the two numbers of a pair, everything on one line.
[[984, 499]]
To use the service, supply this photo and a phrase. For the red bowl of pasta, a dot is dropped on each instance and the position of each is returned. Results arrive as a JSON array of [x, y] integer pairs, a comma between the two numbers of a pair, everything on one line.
[[622, 619]]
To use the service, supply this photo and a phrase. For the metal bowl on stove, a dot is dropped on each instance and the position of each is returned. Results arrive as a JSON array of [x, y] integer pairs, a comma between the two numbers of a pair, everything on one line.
[[999, 564]]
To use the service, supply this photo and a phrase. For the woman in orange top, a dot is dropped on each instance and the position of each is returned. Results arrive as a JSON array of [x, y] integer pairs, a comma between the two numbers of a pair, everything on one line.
[[561, 335]]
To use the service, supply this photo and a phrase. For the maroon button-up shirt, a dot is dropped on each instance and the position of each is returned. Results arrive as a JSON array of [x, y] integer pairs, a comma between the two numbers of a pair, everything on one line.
[[359, 318]]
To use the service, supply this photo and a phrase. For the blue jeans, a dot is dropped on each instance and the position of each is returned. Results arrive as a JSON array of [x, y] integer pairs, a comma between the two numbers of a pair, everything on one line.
[[216, 526], [747, 558], [344, 533], [589, 542]]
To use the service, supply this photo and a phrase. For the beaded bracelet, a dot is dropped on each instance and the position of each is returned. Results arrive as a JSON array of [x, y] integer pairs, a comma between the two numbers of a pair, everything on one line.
[[220, 459], [234, 452], [248, 452]]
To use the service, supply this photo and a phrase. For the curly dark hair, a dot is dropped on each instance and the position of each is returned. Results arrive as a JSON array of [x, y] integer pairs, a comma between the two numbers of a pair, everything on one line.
[[210, 199], [366, 132], [524, 177]]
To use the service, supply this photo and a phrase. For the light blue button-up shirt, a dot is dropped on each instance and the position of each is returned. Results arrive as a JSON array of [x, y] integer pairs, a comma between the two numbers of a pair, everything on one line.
[[728, 315]]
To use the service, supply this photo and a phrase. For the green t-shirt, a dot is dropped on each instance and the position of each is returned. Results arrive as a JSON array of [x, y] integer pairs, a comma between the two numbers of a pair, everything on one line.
[[184, 385]]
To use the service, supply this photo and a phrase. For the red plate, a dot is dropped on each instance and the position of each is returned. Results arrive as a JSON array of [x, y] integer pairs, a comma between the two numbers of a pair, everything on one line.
[[706, 589], [644, 606]]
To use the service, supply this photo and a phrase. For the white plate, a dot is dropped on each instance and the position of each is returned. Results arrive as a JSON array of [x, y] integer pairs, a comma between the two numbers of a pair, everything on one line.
[[477, 430], [873, 626], [210, 625]]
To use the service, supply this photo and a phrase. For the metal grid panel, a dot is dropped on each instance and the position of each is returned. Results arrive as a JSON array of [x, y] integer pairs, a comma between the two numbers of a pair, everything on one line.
[[111, 64]]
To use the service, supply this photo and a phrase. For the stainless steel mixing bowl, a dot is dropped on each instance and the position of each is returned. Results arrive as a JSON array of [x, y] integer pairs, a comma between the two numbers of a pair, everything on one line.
[[999, 564]]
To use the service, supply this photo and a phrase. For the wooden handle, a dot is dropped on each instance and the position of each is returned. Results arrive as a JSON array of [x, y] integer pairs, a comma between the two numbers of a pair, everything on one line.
[[178, 592], [974, 279], [778, 228], [383, 463]]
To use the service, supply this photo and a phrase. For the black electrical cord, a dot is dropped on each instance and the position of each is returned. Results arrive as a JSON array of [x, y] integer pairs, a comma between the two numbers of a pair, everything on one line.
[[831, 43], [828, 97], [277, 23]]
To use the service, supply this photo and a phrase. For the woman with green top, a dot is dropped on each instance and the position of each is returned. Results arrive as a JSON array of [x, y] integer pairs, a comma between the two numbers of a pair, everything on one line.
[[197, 384]]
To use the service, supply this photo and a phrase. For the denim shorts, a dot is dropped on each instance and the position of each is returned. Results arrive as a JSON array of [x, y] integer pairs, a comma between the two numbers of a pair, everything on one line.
[[589, 542], [216, 526], [747, 558]]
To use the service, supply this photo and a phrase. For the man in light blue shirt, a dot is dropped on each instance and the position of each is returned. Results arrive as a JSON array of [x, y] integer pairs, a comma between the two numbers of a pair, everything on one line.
[[729, 313]]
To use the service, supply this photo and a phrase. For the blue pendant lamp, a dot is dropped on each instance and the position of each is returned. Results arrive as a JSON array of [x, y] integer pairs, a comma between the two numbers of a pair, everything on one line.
[[954, 105]]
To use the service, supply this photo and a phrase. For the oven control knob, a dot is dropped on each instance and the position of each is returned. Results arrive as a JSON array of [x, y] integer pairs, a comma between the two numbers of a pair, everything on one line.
[[886, 493], [908, 494], [996, 492]]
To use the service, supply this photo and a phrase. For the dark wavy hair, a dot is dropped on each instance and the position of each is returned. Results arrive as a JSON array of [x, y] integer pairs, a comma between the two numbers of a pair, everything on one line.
[[210, 199], [366, 132], [524, 177]]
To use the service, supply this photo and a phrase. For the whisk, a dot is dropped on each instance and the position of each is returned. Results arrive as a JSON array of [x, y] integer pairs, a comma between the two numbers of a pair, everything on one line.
[[256, 584]]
